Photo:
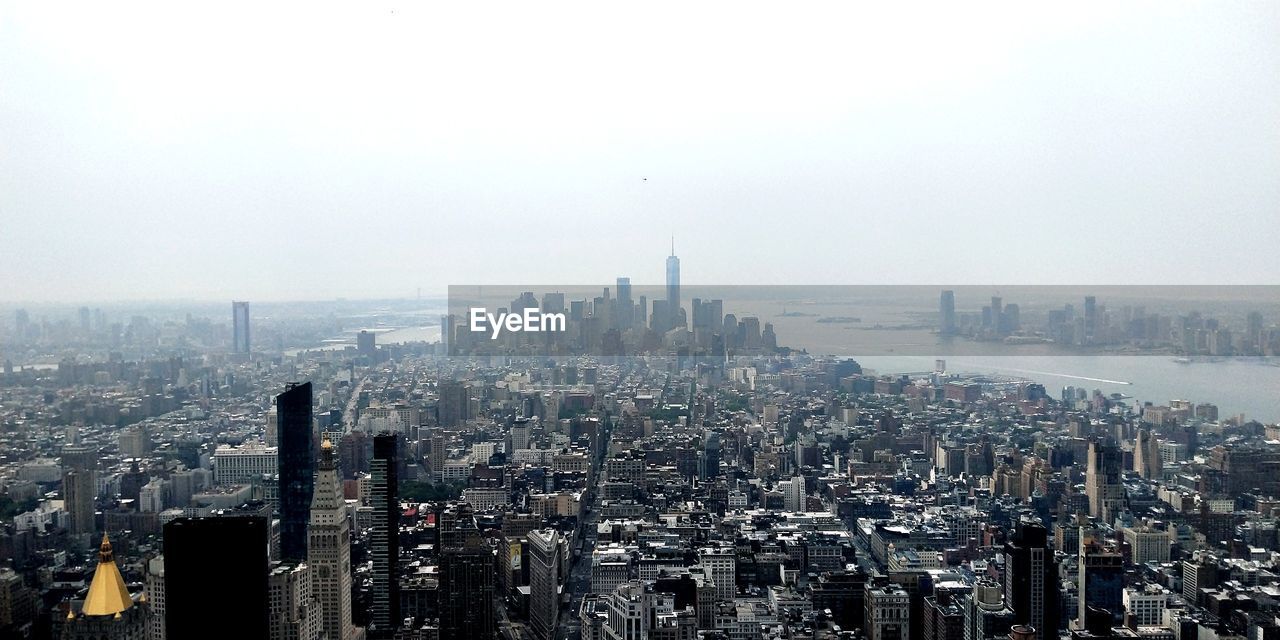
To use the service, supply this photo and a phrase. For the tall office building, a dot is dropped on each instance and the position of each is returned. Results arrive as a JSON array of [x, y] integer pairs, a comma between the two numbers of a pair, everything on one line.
[[721, 564], [631, 611], [843, 593], [546, 554], [297, 463], [329, 550], [985, 613], [453, 404], [1146, 455], [367, 346], [793, 494], [626, 307], [437, 457], [1200, 571], [294, 612], [1090, 319], [997, 313], [1101, 582], [947, 313], [384, 537], [215, 573], [1031, 579], [712, 454], [888, 612], [467, 578], [1103, 481], [79, 487], [1011, 318], [240, 327], [153, 586], [673, 289]]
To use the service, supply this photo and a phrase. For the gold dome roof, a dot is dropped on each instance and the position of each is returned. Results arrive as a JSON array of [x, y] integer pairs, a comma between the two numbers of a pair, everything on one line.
[[107, 594]]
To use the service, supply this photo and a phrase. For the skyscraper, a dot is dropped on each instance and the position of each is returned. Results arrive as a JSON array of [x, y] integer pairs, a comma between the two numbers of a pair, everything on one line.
[[625, 306], [1103, 483], [793, 494], [293, 609], [384, 537], [888, 612], [216, 578], [437, 456], [947, 313], [367, 346], [1031, 579], [453, 403], [1101, 582], [985, 613], [329, 550], [630, 611], [240, 323], [467, 578], [297, 468], [154, 588], [79, 487], [673, 288], [1090, 319], [545, 558], [712, 455], [1146, 455]]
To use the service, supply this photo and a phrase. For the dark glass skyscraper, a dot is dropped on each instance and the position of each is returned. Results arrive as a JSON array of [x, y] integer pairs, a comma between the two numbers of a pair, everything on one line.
[[215, 573], [1101, 582], [240, 324], [384, 537], [297, 462], [711, 456], [467, 580], [1031, 579]]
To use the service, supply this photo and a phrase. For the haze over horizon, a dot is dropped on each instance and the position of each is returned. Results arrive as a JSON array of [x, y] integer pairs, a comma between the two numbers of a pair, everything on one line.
[[157, 152]]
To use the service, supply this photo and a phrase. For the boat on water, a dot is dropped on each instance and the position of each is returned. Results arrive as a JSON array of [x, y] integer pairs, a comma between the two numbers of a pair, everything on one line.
[[1183, 360], [1027, 340]]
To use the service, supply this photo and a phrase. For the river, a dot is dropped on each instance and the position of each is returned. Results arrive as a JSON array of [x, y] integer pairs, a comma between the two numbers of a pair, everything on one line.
[[1249, 386]]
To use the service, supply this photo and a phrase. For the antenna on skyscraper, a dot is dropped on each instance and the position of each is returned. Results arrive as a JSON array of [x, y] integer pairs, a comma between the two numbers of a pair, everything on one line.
[[673, 244]]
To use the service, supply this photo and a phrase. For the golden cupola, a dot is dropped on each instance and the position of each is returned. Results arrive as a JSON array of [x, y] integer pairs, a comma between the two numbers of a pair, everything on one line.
[[108, 595]]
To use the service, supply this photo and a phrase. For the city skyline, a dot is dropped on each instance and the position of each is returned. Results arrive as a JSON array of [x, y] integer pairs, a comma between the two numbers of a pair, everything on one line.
[[479, 499], [682, 321]]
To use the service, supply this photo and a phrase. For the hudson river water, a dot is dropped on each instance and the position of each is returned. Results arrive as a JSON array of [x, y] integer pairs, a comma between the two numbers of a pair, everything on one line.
[[1249, 386]]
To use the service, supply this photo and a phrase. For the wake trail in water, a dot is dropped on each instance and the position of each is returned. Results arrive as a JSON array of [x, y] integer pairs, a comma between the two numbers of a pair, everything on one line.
[[1056, 375]]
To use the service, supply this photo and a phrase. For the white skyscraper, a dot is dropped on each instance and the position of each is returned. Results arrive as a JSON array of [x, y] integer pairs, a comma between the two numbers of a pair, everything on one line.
[[154, 589], [329, 550], [793, 493]]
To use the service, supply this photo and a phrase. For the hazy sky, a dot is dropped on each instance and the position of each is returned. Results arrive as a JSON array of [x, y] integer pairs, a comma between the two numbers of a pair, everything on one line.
[[218, 151]]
